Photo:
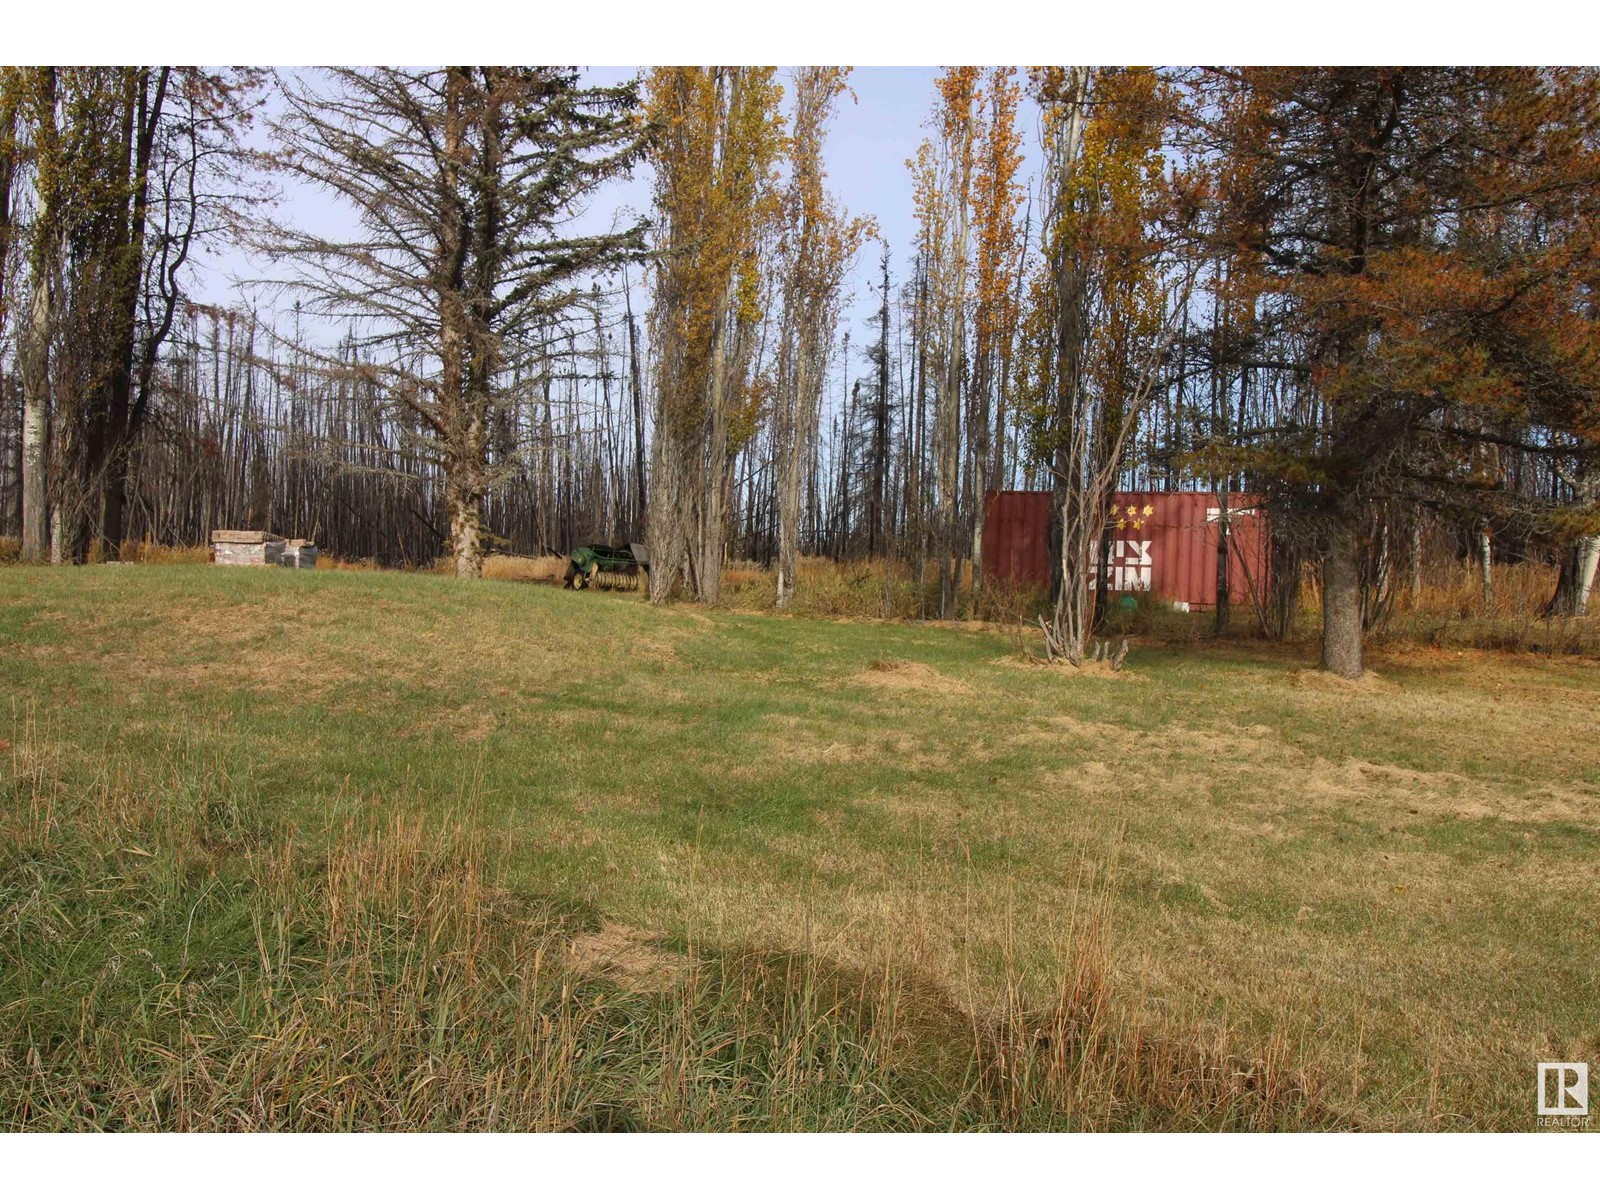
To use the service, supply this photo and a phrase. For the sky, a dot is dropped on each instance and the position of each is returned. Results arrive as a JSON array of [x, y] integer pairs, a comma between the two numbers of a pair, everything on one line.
[[866, 152]]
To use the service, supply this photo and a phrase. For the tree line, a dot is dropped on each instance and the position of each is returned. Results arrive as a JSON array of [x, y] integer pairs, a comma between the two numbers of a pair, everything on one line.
[[1364, 294]]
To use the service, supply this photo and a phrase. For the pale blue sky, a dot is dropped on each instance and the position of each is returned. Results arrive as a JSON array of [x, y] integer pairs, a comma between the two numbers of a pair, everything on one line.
[[867, 148]]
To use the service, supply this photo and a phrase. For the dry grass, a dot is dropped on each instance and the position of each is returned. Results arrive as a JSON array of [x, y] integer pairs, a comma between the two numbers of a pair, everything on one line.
[[917, 677], [1454, 588], [329, 562], [1373, 902], [155, 554], [152, 553], [1448, 612], [516, 568], [870, 589], [392, 976], [630, 956], [547, 568]]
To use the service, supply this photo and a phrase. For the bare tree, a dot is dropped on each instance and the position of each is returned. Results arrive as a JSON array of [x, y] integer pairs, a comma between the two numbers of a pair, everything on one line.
[[464, 179]]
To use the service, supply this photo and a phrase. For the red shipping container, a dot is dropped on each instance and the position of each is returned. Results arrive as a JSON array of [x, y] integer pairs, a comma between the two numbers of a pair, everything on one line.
[[1163, 544]]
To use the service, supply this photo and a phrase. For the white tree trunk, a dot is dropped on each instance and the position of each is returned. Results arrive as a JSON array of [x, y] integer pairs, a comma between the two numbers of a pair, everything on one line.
[[1486, 567], [708, 561], [1588, 560], [36, 426]]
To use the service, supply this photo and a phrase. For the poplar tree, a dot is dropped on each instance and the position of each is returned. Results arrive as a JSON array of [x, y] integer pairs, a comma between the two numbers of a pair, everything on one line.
[[996, 202], [942, 176], [716, 135], [1101, 309], [820, 242]]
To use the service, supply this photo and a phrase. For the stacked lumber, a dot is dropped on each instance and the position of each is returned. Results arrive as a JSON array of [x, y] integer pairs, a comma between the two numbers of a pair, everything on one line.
[[299, 553], [246, 548]]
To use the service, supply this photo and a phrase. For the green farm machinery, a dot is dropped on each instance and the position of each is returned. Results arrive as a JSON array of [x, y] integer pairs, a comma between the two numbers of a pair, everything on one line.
[[606, 566]]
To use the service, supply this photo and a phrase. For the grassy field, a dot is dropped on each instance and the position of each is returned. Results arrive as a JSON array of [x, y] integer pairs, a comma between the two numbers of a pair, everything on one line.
[[371, 850]]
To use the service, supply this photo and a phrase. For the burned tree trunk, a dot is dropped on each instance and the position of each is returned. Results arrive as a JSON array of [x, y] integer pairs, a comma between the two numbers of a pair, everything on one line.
[[1224, 529]]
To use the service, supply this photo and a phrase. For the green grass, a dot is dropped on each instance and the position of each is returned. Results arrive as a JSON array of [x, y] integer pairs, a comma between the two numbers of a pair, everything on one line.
[[369, 850]]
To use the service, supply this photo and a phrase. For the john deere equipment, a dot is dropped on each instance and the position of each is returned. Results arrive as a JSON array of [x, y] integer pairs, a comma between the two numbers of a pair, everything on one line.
[[606, 566]]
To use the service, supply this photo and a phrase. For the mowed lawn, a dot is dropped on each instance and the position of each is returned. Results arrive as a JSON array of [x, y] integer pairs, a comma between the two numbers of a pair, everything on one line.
[[1393, 887]]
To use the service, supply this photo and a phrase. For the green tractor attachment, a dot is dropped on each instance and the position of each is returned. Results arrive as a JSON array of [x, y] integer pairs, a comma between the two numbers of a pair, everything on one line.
[[606, 566]]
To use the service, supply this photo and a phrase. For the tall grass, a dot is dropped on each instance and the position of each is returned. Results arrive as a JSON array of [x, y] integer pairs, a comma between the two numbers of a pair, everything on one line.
[[1451, 611], [524, 568], [874, 589], [132, 551], [175, 956]]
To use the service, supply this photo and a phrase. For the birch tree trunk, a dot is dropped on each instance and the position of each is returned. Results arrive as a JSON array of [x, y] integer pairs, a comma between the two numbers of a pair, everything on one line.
[[725, 376], [1486, 567], [9, 155], [979, 434], [1587, 552], [36, 391], [1576, 583], [36, 542], [35, 449]]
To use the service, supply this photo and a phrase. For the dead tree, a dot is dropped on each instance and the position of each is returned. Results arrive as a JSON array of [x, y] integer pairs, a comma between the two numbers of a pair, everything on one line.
[[462, 178]]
